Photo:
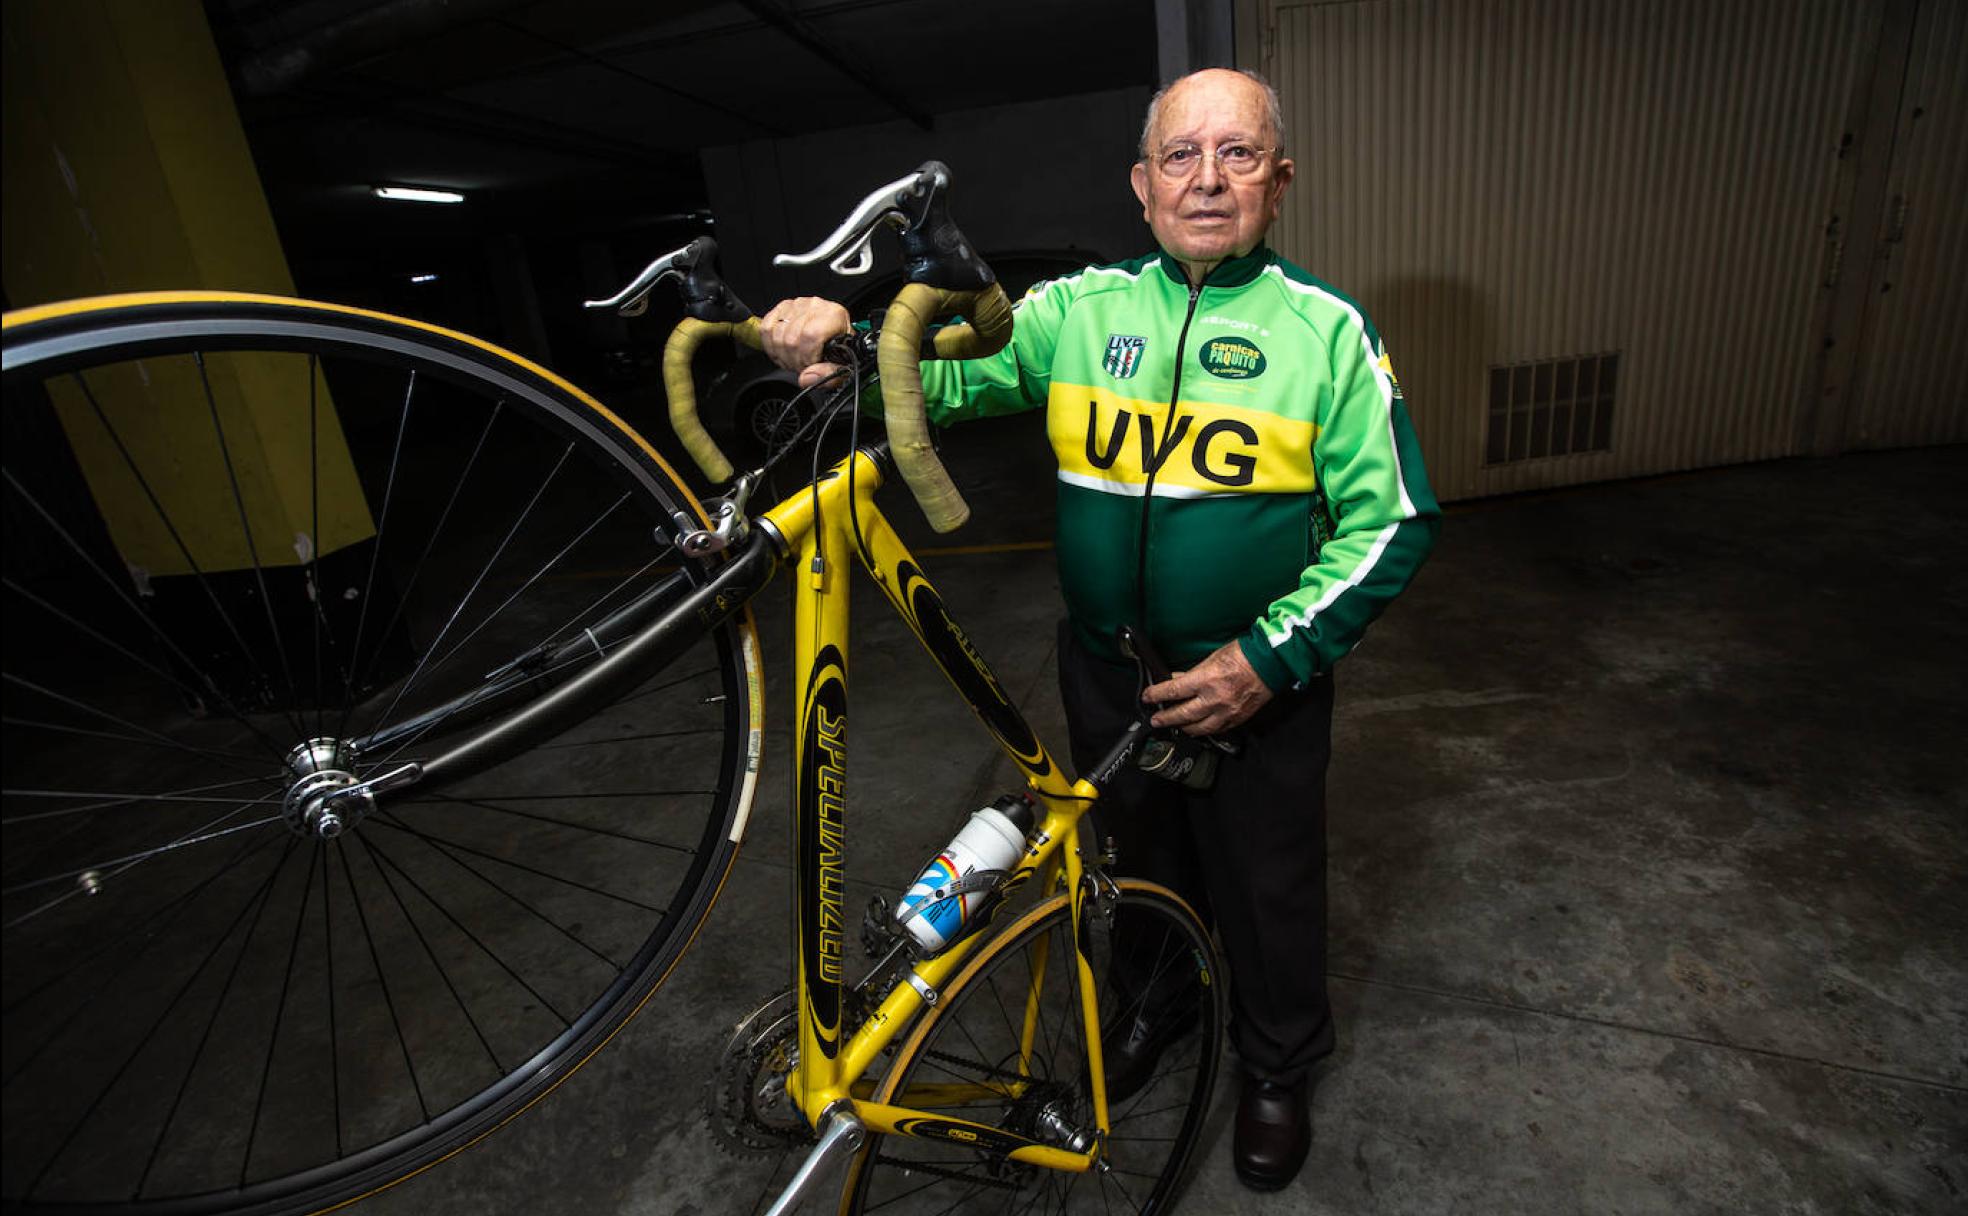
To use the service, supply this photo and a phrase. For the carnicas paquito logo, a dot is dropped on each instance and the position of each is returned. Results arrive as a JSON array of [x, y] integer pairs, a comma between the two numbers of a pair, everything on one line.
[[1232, 358]]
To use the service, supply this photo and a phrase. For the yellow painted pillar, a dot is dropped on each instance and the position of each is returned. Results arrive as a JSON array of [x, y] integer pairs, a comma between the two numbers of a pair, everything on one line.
[[125, 168]]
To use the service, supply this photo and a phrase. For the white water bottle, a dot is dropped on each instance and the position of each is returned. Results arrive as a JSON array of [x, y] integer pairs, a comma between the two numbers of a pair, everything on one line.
[[934, 911]]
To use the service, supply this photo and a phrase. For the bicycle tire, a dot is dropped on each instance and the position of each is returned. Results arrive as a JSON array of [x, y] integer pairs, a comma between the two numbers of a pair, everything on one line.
[[971, 1038], [211, 1007]]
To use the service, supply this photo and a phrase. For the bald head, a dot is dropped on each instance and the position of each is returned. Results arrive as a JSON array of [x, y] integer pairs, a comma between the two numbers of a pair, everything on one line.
[[1232, 79]]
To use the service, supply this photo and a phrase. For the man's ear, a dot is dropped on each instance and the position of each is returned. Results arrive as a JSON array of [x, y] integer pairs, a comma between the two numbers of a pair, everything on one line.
[[1139, 178], [1281, 177]]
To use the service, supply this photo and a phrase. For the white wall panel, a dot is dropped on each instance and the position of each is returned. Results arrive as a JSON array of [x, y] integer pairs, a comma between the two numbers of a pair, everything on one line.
[[1503, 181]]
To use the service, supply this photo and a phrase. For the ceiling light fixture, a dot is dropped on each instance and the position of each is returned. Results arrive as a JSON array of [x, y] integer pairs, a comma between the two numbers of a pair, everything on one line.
[[418, 194], [423, 278]]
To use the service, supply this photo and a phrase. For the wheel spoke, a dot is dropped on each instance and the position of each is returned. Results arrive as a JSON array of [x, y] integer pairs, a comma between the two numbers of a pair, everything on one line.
[[328, 965], [257, 904], [151, 926], [482, 804], [376, 552], [168, 1036], [123, 864], [437, 532], [437, 964], [246, 533], [139, 740], [218, 1005], [313, 560], [156, 739], [143, 617], [562, 635], [458, 609], [551, 562], [475, 940], [164, 517], [122, 651], [451, 849], [383, 981], [189, 794]]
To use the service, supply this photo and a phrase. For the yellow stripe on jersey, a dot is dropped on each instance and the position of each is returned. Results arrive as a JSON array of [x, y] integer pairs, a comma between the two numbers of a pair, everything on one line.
[[1108, 442]]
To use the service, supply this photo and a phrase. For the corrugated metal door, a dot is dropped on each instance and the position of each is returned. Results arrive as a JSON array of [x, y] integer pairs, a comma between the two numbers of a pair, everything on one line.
[[1535, 185], [1911, 382]]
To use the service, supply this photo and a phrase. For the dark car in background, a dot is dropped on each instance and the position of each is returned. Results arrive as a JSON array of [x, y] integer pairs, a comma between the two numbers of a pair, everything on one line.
[[751, 405]]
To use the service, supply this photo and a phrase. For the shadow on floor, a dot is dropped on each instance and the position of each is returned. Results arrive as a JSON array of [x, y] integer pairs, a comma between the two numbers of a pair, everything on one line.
[[1648, 827]]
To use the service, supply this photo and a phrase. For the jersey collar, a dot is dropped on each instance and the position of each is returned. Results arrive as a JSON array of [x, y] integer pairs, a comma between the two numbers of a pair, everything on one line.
[[1233, 273]]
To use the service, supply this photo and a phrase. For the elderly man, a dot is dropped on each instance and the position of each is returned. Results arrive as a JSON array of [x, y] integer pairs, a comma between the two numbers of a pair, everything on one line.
[[1238, 480]]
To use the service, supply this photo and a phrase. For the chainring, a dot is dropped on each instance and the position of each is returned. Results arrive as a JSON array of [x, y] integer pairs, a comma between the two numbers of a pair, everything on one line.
[[745, 1102]]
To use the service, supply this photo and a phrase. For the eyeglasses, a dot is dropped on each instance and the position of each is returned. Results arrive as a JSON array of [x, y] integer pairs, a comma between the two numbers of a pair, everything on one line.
[[1237, 159]]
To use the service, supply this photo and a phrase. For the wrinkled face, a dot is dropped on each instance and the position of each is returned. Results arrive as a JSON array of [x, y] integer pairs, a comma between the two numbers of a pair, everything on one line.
[[1211, 215]]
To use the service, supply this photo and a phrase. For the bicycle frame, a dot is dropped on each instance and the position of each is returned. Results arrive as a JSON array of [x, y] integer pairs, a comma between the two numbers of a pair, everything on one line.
[[850, 526]]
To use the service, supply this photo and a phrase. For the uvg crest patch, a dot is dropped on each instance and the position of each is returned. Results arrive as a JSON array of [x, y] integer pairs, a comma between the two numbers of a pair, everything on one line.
[[1123, 355]]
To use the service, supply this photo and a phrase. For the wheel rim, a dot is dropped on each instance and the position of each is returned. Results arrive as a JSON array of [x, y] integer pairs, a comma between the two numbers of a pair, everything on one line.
[[259, 993], [974, 1043]]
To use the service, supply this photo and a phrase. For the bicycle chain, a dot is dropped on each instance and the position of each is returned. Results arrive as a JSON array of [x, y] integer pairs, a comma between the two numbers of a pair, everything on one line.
[[946, 1058], [920, 1167]]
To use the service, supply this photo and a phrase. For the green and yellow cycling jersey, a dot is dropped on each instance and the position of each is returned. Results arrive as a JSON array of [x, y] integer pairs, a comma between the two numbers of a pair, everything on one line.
[[1257, 423]]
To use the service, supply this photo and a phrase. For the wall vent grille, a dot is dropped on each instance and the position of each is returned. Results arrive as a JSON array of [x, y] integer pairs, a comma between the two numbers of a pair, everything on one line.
[[1555, 407]]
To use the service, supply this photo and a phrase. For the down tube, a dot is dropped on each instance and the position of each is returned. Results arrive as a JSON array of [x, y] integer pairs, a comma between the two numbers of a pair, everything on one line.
[[895, 570]]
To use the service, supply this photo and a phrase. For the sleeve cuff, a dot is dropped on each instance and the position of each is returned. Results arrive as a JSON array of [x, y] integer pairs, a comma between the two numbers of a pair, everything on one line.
[[1264, 660]]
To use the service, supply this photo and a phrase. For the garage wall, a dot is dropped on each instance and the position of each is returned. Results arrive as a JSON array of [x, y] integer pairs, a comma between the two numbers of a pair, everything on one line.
[[1599, 237]]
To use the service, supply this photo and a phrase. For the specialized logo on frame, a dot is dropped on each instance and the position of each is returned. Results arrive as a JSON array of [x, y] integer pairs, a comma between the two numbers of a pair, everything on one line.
[[1123, 355]]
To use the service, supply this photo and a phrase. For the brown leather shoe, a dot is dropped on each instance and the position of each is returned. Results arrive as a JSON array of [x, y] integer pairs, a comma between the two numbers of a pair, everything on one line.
[[1274, 1132]]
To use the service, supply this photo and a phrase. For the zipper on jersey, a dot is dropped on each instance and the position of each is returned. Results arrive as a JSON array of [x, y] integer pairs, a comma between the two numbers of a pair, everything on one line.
[[1164, 448]]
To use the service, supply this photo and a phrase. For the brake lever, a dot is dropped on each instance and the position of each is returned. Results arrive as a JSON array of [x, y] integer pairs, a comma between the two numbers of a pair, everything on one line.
[[1135, 645], [1153, 670], [633, 300], [705, 296], [848, 249]]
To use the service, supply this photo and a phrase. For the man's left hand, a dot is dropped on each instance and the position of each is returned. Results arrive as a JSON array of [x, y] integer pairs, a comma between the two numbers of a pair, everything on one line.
[[1215, 695]]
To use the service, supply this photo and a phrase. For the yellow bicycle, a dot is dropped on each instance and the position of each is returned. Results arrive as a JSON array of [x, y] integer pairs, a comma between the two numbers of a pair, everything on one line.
[[379, 744]]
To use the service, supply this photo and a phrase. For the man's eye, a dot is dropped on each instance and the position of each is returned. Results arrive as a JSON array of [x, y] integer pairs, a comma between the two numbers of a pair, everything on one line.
[[1180, 156], [1236, 154]]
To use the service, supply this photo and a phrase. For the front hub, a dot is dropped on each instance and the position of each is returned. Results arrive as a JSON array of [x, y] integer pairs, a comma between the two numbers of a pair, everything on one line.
[[321, 769]]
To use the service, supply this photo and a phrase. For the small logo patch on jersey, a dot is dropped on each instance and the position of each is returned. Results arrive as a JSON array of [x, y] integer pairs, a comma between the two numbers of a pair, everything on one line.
[[1123, 355], [1232, 358]]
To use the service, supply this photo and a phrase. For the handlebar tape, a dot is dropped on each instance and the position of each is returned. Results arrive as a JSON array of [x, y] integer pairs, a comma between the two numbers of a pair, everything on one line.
[[684, 340], [897, 354]]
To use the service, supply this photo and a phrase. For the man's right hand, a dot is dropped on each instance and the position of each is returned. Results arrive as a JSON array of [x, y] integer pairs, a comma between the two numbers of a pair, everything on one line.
[[793, 332]]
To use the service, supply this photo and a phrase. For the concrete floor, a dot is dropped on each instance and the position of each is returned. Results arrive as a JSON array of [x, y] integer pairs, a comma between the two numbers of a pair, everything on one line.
[[1649, 834]]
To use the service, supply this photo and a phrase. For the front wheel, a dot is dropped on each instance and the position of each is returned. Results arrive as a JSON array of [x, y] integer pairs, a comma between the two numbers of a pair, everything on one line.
[[1005, 1046], [260, 546]]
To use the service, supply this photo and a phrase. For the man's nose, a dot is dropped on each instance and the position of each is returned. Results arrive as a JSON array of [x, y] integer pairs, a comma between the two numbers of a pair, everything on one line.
[[1209, 178]]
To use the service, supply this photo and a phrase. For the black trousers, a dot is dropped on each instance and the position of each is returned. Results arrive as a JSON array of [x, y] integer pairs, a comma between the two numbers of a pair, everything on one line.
[[1249, 854]]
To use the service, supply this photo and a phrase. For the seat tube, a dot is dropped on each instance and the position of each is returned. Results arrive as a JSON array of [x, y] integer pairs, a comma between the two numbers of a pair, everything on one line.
[[820, 620], [1078, 892]]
